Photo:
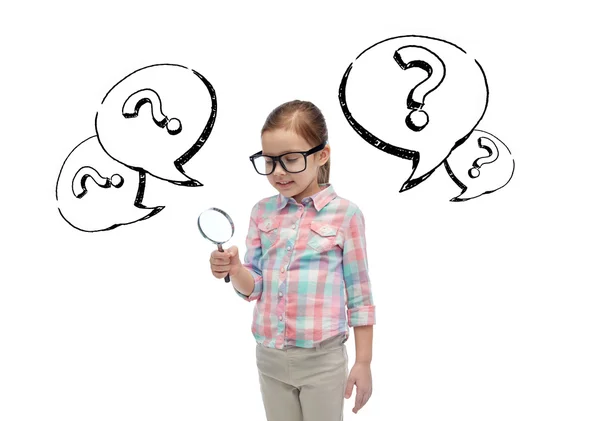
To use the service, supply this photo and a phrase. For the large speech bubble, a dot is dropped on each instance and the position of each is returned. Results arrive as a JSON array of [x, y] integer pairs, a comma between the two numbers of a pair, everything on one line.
[[481, 165], [97, 193], [414, 97], [156, 119]]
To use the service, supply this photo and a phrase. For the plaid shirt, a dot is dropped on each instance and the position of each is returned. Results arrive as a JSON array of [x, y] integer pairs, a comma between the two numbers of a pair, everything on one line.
[[308, 260]]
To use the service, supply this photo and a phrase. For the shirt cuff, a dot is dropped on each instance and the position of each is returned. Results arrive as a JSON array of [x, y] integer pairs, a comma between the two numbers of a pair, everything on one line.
[[361, 316]]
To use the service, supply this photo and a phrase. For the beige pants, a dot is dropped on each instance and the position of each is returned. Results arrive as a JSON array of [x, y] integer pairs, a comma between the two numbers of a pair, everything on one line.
[[304, 384]]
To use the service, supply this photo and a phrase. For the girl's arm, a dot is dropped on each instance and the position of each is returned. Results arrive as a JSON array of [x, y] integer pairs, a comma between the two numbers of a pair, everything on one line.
[[363, 341], [247, 282], [243, 282], [361, 310]]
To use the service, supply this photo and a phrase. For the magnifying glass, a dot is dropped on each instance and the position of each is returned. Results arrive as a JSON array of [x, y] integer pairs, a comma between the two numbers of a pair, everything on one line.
[[217, 227]]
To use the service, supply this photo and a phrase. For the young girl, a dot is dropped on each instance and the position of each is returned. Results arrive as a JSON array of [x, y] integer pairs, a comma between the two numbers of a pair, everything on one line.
[[305, 260]]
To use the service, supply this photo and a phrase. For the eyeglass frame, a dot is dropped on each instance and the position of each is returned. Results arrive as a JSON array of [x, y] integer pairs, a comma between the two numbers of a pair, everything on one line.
[[278, 158]]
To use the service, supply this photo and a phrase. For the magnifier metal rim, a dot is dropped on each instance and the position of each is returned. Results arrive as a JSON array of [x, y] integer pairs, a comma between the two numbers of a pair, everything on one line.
[[226, 216]]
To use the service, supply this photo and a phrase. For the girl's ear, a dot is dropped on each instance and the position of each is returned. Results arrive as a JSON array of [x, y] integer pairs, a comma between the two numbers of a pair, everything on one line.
[[326, 152]]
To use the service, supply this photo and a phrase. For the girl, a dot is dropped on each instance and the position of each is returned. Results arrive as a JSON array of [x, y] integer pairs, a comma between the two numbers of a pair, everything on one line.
[[305, 260]]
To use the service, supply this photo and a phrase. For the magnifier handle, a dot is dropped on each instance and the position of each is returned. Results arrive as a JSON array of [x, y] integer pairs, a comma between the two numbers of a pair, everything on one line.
[[227, 276]]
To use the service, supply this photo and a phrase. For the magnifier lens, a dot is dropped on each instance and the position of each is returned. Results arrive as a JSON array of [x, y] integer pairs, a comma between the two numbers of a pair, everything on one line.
[[215, 226]]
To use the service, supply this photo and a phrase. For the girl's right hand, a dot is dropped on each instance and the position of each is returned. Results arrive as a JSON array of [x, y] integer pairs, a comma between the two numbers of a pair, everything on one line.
[[225, 262]]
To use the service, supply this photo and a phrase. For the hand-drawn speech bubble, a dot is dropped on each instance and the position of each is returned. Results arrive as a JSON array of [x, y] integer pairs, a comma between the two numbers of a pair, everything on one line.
[[482, 164], [97, 193], [156, 119], [414, 97]]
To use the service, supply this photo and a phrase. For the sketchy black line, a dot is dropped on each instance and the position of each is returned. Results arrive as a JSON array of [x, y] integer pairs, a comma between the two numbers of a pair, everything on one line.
[[375, 141], [405, 36], [180, 162], [139, 70], [487, 100]]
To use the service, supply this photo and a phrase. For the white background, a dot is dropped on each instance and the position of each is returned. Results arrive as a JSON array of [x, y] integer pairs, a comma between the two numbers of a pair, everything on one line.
[[486, 310]]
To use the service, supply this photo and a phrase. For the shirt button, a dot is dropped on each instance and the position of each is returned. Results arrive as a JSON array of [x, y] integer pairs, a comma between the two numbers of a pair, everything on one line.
[[280, 317], [281, 294], [289, 248], [282, 269]]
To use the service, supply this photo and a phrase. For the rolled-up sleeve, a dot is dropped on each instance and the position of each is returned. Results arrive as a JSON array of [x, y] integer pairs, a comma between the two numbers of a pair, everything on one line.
[[361, 310], [252, 258]]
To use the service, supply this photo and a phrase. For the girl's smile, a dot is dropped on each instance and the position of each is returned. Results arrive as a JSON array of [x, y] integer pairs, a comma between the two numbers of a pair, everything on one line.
[[285, 185]]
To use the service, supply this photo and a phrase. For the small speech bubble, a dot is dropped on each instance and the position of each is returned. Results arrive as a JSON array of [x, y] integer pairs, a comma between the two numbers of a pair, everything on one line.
[[97, 193], [156, 119], [480, 165], [414, 97]]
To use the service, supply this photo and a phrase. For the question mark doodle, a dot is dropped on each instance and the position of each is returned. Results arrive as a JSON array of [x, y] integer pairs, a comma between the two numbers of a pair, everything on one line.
[[491, 148], [81, 176], [415, 56], [132, 105]]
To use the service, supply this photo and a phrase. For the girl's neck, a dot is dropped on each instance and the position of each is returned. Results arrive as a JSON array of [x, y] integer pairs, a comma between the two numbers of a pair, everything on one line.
[[309, 191]]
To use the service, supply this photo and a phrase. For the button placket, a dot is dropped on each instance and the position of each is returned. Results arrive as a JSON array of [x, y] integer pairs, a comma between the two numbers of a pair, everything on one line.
[[280, 306]]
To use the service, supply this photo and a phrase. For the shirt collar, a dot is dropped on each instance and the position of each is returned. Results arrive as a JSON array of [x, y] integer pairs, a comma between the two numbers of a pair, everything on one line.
[[320, 199]]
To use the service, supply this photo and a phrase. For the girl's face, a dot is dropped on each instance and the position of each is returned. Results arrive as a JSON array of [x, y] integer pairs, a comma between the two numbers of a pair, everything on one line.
[[302, 184]]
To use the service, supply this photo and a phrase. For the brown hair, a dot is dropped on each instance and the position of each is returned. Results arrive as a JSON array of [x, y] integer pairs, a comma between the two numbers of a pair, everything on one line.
[[307, 121]]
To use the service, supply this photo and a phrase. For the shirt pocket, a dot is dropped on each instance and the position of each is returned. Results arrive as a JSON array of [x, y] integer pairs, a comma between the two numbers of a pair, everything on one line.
[[322, 236], [269, 233]]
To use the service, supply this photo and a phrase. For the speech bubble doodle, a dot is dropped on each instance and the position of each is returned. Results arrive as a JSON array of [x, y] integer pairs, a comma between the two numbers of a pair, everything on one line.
[[481, 165], [156, 119], [96, 193], [382, 95]]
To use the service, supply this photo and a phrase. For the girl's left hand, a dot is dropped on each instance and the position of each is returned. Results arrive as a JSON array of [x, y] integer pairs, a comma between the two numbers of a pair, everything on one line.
[[361, 376]]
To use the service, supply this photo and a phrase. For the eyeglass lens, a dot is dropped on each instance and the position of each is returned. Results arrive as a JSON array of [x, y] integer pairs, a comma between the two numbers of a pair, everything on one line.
[[292, 162]]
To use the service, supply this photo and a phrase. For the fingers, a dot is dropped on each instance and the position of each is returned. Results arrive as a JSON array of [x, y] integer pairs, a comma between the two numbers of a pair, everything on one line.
[[349, 386], [362, 396], [233, 251], [219, 257], [359, 401], [220, 263], [219, 275]]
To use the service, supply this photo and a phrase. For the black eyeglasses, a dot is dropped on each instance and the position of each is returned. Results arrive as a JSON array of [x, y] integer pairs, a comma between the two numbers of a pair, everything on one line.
[[292, 162]]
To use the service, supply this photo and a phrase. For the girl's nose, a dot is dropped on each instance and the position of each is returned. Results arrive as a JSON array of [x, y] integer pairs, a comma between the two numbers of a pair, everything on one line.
[[278, 168]]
